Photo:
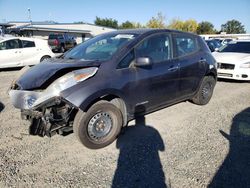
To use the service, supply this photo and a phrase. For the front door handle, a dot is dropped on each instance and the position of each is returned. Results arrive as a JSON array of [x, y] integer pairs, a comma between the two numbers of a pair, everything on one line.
[[173, 68]]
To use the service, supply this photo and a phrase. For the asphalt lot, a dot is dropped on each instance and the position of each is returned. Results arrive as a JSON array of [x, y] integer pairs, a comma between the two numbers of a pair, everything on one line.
[[184, 145]]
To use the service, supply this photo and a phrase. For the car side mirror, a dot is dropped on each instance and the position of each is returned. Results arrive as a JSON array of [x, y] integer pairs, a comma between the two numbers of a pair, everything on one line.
[[143, 62]]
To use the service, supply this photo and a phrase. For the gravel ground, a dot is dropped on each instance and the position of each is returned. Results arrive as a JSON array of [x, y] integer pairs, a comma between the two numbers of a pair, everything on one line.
[[184, 145]]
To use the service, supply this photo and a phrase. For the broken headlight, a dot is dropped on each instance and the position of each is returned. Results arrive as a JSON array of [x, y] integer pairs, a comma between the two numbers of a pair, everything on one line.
[[30, 99]]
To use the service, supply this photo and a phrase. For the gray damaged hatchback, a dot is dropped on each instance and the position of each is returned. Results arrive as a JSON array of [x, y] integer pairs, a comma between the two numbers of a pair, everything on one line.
[[97, 87]]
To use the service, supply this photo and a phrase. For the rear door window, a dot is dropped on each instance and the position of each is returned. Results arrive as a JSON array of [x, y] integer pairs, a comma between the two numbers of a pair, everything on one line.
[[185, 45]]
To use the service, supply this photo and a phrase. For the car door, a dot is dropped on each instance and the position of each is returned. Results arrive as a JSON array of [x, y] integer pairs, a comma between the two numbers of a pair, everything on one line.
[[10, 53], [156, 85], [31, 53], [188, 55]]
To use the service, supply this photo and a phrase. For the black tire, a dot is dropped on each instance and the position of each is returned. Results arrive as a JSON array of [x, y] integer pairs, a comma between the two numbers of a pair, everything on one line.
[[205, 91], [83, 123], [44, 58]]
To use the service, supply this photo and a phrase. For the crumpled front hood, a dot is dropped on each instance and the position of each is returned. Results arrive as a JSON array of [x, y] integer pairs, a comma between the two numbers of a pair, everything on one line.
[[37, 76]]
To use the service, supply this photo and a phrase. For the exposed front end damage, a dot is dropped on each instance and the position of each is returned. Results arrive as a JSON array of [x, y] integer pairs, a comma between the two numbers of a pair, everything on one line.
[[46, 109], [54, 116]]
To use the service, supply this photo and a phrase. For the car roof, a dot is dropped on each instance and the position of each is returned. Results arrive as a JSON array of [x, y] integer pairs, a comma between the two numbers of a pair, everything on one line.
[[147, 31], [21, 38]]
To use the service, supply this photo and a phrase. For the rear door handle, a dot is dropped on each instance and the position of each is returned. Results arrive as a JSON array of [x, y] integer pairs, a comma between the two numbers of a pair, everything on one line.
[[173, 68]]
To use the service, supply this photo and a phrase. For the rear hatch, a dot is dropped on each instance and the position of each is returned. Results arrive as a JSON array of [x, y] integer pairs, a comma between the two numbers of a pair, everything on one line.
[[53, 40]]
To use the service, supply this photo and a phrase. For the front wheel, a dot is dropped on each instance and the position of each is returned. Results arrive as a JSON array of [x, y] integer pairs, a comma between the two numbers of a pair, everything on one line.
[[205, 91], [44, 58], [99, 126]]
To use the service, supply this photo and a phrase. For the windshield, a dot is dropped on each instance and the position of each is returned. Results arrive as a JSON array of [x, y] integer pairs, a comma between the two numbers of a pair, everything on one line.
[[238, 47], [214, 43], [100, 48]]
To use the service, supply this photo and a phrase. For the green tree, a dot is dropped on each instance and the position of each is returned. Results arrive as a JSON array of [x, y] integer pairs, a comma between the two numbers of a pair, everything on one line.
[[107, 22], [157, 22], [176, 24], [233, 27], [190, 26], [127, 25], [205, 28], [138, 25]]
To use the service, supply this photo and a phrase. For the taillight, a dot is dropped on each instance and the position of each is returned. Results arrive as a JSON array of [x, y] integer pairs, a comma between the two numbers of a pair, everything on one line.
[[56, 42]]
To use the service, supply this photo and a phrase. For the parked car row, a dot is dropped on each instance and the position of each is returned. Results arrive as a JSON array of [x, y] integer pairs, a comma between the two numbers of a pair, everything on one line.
[[22, 51]]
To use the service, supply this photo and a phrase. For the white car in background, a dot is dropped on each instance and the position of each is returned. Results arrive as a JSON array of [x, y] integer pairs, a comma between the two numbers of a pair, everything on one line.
[[234, 60], [20, 51]]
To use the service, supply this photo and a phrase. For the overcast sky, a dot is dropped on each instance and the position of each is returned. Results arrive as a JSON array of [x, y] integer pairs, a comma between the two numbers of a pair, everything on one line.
[[214, 11]]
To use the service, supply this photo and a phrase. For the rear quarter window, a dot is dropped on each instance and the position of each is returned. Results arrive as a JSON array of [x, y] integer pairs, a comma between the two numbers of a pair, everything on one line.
[[28, 44], [185, 45]]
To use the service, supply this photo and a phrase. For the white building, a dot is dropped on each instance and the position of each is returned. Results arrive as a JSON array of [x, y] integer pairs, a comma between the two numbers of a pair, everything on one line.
[[225, 35], [81, 31]]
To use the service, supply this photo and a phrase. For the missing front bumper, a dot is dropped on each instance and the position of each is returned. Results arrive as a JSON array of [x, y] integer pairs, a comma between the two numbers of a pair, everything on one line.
[[53, 117]]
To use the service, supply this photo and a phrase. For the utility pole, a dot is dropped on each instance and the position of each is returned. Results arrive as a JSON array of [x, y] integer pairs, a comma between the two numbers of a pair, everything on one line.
[[29, 12]]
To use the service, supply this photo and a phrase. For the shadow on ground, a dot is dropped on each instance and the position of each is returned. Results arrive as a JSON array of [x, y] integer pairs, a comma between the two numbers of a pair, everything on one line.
[[139, 163], [1, 107], [235, 170], [10, 69], [232, 81]]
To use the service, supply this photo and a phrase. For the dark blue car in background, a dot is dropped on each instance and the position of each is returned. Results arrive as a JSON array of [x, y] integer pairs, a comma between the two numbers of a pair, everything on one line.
[[98, 86]]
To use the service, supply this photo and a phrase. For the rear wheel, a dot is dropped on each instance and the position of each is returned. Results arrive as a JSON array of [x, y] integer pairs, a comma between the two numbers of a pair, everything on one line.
[[99, 126], [205, 91]]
